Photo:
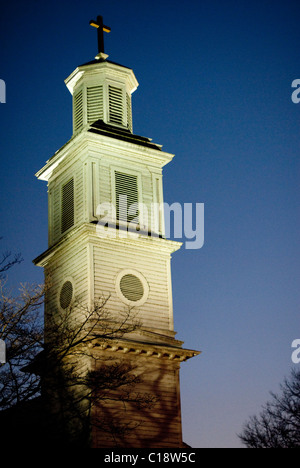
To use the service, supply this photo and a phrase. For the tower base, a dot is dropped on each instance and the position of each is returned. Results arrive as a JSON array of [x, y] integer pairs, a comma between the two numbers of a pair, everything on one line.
[[148, 414]]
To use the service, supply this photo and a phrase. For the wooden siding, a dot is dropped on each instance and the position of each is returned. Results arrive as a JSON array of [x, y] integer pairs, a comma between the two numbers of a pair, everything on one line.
[[55, 188], [94, 183], [158, 426], [147, 191], [110, 259], [70, 263]]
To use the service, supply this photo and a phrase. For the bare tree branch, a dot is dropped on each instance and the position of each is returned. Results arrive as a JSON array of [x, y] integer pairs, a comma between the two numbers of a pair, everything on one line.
[[278, 425], [7, 261], [63, 369]]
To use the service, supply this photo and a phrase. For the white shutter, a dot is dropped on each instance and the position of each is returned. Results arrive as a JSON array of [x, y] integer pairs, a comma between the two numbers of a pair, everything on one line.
[[94, 103], [126, 196], [67, 206], [129, 112], [78, 110], [116, 110]]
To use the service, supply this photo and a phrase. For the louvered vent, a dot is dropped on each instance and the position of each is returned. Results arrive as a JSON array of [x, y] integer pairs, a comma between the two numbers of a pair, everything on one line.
[[66, 295], [129, 112], [132, 288], [78, 111], [94, 103], [115, 105], [67, 206], [126, 196]]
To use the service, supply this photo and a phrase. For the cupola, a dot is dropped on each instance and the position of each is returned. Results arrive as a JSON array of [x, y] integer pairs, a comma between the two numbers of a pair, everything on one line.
[[102, 90]]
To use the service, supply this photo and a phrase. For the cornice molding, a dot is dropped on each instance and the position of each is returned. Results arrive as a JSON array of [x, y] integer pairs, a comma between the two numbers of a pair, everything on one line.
[[146, 350]]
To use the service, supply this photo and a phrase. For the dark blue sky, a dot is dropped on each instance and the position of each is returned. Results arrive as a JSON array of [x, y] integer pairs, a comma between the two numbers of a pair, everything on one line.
[[215, 89]]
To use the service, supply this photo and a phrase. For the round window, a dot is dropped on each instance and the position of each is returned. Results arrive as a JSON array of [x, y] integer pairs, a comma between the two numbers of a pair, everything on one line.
[[132, 287], [66, 295]]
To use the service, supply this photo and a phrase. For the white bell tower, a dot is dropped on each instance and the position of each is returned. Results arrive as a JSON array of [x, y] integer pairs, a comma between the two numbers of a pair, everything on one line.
[[128, 258], [102, 90]]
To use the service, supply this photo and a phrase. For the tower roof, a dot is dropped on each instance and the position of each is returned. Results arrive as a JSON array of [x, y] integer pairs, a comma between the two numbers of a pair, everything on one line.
[[98, 68], [101, 128], [102, 60]]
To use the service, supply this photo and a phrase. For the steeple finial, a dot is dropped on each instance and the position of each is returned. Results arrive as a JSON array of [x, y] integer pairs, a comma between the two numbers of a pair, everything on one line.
[[101, 29]]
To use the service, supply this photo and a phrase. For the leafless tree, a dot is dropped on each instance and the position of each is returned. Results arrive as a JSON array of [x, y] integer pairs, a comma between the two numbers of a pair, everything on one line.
[[21, 328], [61, 370], [76, 379], [278, 425], [22, 331], [7, 261]]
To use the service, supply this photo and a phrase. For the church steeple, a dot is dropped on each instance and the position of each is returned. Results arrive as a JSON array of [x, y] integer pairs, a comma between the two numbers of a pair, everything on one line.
[[102, 89], [104, 169]]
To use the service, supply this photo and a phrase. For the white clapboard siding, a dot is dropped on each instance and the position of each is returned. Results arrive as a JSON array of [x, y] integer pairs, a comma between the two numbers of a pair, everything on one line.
[[109, 262], [70, 262], [105, 193], [124, 184], [147, 197], [130, 188], [158, 426]]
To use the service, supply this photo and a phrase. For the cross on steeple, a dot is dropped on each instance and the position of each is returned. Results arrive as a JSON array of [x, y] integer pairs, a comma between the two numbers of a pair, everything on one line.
[[101, 28]]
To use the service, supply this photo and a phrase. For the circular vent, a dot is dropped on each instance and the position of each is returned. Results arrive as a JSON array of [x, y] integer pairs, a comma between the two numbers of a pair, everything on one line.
[[66, 295], [132, 288]]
